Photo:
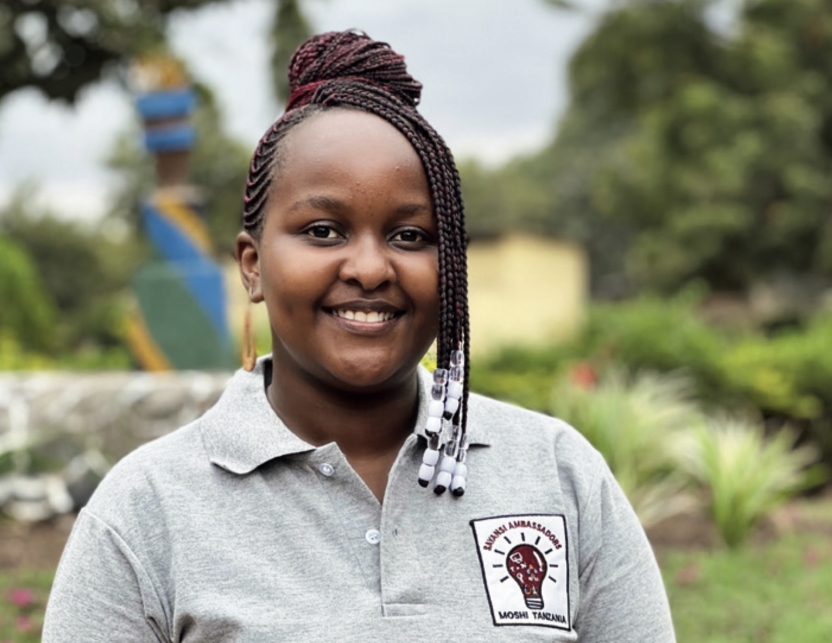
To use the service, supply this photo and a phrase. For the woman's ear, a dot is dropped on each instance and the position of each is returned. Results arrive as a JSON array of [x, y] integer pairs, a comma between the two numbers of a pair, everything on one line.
[[248, 260]]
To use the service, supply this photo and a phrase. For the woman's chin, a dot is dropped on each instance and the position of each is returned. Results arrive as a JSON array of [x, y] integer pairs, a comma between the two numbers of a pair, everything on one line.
[[370, 377]]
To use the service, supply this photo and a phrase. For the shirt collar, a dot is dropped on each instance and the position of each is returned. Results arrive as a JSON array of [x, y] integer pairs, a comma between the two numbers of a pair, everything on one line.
[[242, 431]]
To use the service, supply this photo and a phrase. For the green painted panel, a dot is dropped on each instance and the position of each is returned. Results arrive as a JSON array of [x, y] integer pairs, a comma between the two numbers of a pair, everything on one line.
[[176, 322]]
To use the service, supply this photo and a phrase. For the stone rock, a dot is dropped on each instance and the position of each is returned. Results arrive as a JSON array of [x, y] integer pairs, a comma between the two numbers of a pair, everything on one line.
[[65, 429]]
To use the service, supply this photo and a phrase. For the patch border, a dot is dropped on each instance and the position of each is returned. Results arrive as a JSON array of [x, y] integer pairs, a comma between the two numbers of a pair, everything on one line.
[[485, 582]]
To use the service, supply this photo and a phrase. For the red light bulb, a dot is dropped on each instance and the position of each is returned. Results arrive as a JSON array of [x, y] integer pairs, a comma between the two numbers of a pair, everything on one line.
[[528, 569]]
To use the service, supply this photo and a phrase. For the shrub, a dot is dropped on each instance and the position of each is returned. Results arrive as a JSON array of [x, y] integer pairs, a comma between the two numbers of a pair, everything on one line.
[[633, 422], [83, 272], [656, 334], [746, 474], [27, 312], [13, 357], [785, 376]]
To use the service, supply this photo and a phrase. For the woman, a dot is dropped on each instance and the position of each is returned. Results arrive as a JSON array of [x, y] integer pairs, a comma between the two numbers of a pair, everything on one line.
[[291, 510]]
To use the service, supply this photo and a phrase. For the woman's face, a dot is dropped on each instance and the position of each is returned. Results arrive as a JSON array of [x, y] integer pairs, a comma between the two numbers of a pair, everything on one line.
[[347, 262]]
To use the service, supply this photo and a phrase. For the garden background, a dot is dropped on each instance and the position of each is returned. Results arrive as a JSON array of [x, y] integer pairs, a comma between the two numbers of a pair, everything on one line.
[[692, 166]]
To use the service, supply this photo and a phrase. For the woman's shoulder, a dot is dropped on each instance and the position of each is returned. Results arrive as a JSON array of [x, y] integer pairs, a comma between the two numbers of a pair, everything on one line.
[[522, 435], [147, 476]]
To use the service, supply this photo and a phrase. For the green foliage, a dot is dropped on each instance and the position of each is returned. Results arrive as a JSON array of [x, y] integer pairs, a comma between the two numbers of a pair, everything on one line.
[[658, 334], [81, 270], [791, 371], [634, 423], [289, 29], [23, 596], [13, 357], [27, 312], [746, 474], [507, 199], [657, 438], [647, 333], [771, 593], [723, 174], [60, 47], [660, 443], [686, 153], [783, 376]]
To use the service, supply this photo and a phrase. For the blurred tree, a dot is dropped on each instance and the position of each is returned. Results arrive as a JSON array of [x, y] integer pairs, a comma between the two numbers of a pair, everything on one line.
[[688, 152], [60, 46], [640, 54], [289, 29], [503, 199], [27, 311], [81, 270], [725, 174]]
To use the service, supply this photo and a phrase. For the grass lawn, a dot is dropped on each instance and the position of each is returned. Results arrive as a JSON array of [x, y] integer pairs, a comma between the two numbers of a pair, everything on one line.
[[776, 592]]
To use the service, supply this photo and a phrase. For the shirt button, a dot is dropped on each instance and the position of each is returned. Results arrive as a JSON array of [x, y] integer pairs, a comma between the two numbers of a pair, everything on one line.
[[373, 536], [326, 469]]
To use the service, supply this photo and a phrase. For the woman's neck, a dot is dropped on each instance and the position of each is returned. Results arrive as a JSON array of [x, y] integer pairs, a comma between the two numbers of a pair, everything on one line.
[[368, 428]]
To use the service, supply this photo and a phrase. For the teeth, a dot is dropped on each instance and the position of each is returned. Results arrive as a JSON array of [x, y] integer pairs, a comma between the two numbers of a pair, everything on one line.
[[371, 317]]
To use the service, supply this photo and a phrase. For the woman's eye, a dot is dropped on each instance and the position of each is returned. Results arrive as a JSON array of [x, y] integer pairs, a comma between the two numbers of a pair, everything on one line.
[[322, 232], [410, 237]]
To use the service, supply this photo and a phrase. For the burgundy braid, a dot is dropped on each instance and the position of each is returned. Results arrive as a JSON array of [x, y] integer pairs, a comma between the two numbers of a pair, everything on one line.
[[348, 69]]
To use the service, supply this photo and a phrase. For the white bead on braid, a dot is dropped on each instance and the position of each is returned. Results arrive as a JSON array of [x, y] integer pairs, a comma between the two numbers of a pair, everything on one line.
[[460, 470], [448, 456], [446, 468], [433, 426]]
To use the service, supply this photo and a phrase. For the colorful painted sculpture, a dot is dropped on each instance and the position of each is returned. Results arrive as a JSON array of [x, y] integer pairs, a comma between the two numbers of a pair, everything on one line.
[[181, 318]]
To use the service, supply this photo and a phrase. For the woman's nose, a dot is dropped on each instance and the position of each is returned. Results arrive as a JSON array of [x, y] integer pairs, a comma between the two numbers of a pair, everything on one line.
[[367, 263]]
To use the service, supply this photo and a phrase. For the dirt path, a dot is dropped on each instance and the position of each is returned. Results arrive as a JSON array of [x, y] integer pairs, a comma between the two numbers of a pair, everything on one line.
[[33, 545]]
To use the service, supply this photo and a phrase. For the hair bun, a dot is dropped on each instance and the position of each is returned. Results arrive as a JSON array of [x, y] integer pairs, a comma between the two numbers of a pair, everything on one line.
[[352, 55]]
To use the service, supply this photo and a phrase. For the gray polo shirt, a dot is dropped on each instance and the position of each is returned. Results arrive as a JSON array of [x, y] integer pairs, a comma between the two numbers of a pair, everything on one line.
[[234, 529]]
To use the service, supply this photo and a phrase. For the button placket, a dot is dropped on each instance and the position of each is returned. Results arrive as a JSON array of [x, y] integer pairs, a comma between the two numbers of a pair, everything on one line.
[[357, 512], [404, 590]]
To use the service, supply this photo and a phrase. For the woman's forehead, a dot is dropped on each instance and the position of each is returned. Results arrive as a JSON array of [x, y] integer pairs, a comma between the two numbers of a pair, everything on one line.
[[353, 157], [344, 134]]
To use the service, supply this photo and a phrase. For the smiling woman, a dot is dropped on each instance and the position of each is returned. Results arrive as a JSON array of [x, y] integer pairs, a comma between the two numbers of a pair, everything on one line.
[[291, 510], [349, 233]]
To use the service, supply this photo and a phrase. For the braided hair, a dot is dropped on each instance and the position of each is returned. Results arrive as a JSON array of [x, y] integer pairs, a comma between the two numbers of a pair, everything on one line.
[[349, 69]]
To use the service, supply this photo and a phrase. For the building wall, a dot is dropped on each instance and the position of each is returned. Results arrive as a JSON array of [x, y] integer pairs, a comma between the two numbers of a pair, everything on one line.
[[524, 289]]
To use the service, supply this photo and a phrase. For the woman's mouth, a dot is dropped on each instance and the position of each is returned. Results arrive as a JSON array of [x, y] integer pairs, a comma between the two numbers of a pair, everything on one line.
[[365, 317], [369, 317]]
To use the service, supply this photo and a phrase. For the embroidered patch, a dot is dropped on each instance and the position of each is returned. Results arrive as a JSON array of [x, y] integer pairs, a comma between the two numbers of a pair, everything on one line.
[[525, 568]]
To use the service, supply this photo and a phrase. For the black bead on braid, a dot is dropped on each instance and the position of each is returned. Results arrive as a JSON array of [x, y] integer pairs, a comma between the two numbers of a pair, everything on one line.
[[349, 70]]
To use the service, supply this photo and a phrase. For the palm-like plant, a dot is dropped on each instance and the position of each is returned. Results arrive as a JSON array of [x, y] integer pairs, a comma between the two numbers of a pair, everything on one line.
[[634, 421], [746, 474]]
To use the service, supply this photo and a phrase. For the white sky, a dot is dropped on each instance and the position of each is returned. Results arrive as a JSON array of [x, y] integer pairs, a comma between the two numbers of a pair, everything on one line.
[[493, 70]]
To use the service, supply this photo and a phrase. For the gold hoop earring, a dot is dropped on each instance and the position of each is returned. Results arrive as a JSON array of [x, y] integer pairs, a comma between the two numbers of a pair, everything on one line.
[[249, 345]]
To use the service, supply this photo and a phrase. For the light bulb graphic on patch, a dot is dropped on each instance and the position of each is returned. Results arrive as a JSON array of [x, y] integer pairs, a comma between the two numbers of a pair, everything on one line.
[[528, 569]]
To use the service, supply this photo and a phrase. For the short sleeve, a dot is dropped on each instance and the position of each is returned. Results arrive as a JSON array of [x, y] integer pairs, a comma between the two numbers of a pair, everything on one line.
[[101, 592], [623, 598]]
